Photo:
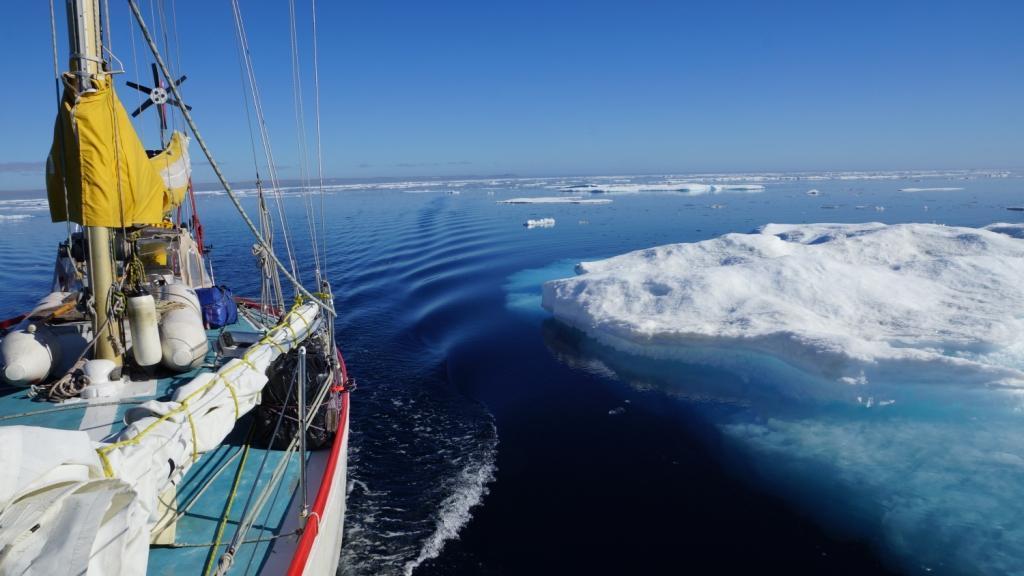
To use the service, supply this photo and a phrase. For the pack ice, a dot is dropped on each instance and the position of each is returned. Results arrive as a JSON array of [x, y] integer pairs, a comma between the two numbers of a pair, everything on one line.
[[837, 300]]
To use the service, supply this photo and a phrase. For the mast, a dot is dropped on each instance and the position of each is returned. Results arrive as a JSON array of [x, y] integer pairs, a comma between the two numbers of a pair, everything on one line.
[[86, 44]]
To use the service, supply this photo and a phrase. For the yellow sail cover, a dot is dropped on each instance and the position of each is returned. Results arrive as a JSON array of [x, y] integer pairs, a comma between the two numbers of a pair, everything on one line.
[[175, 169], [98, 159]]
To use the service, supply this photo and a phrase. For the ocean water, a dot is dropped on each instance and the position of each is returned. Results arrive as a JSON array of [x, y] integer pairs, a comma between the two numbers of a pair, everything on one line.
[[488, 438]]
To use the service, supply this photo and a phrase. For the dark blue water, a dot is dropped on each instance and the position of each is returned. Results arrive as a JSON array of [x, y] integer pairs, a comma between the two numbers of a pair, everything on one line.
[[487, 438]]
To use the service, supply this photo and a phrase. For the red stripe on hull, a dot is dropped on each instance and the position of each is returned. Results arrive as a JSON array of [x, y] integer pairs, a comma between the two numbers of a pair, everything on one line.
[[312, 529]]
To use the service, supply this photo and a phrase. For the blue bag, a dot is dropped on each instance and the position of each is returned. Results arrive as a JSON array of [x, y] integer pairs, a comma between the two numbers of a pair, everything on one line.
[[219, 308]]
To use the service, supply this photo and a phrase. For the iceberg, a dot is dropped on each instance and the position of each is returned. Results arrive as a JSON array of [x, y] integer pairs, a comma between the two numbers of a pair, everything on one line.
[[846, 302], [872, 373]]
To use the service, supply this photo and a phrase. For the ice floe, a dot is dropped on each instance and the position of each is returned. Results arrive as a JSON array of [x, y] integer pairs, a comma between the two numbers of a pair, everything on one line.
[[31, 204], [540, 223], [689, 188], [836, 300], [934, 189], [556, 200], [738, 187]]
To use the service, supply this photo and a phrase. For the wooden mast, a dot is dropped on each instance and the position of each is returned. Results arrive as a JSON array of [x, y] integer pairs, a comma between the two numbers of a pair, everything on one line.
[[86, 45]]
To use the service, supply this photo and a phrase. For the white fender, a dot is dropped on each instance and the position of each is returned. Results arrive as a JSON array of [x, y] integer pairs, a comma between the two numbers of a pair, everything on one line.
[[145, 331], [182, 335], [29, 352], [27, 355]]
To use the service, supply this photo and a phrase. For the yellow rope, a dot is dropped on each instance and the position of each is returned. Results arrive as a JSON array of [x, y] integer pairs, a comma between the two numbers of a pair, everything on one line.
[[234, 396], [227, 510], [195, 443], [183, 405]]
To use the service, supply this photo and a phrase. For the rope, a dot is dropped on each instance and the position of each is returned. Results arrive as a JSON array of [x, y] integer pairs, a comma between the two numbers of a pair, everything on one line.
[[227, 509], [75, 406], [247, 541], [184, 404], [184, 509], [328, 307], [250, 516], [72, 382]]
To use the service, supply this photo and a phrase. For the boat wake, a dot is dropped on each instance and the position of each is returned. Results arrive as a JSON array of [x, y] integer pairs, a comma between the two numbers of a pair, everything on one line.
[[469, 489], [422, 452]]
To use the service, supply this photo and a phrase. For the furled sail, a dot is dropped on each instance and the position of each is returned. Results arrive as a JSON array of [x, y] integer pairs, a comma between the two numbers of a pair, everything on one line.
[[98, 173], [175, 168], [81, 508]]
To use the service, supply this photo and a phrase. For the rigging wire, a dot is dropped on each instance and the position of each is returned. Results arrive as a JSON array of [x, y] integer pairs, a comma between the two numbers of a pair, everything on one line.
[[301, 140], [325, 305], [271, 296], [141, 128], [320, 169], [57, 87], [319, 146], [175, 70], [264, 136]]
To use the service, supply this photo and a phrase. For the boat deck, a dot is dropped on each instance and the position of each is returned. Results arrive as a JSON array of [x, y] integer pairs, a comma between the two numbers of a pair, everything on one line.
[[218, 485]]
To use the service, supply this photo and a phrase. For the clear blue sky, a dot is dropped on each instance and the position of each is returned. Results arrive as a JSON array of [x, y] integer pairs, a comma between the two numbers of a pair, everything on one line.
[[582, 87]]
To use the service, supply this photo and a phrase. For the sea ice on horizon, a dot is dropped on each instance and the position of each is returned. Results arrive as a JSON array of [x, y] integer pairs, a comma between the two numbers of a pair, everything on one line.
[[738, 187], [556, 200], [689, 188], [833, 299]]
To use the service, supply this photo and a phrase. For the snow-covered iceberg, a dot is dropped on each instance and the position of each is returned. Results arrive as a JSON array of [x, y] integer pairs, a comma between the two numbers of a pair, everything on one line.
[[836, 300]]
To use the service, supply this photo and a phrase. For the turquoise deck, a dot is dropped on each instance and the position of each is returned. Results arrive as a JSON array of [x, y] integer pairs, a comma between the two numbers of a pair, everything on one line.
[[196, 531]]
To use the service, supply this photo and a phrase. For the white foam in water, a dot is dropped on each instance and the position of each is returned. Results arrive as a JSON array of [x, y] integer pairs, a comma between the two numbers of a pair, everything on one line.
[[7, 217], [540, 223], [555, 200], [926, 314], [938, 189], [469, 490]]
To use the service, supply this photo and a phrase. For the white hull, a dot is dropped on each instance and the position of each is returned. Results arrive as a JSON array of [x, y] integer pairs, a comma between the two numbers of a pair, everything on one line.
[[326, 550]]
